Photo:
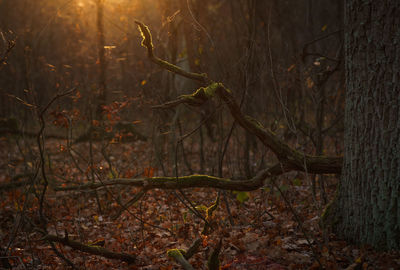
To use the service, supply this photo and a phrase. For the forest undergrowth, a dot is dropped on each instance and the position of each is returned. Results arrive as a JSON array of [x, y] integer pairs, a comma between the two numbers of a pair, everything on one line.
[[265, 233]]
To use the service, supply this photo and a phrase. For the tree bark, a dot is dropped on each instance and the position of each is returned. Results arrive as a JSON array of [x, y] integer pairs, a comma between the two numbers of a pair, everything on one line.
[[102, 63], [367, 207]]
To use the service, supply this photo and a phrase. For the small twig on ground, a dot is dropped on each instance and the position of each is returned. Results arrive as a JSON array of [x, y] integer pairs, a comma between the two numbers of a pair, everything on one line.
[[95, 250]]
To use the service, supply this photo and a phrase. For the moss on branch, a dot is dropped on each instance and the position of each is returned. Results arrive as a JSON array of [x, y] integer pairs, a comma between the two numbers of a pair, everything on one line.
[[289, 158], [192, 249], [213, 260], [177, 255], [147, 42], [287, 155], [210, 210], [190, 181], [95, 250]]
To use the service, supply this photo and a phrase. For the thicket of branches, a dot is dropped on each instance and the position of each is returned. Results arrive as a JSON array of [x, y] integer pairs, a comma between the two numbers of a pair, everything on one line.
[[282, 62], [254, 90]]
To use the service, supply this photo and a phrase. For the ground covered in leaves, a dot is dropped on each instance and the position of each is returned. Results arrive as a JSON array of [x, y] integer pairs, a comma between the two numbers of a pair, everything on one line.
[[264, 229]]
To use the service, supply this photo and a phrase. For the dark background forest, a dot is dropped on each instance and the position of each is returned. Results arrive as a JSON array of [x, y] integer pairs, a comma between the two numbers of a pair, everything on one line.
[[79, 106]]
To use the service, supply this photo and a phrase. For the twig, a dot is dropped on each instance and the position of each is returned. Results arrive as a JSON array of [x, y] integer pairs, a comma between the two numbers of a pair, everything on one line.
[[40, 142], [135, 198], [305, 46], [296, 216], [59, 254]]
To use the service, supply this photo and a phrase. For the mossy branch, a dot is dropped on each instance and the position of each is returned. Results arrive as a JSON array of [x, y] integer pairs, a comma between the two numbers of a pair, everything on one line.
[[210, 210], [209, 214], [192, 249], [177, 255], [289, 158], [95, 250], [183, 182], [213, 261], [147, 42], [198, 98]]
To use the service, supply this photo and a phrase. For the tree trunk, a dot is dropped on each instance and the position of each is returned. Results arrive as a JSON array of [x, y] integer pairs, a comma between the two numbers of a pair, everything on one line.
[[102, 64], [367, 207]]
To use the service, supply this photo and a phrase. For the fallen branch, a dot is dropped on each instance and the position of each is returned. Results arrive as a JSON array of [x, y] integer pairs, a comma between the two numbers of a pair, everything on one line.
[[193, 249], [213, 261], [176, 254], [95, 250], [288, 156], [183, 182]]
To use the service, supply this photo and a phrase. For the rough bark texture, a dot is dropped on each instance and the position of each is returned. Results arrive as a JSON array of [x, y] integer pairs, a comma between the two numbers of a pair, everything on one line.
[[367, 210]]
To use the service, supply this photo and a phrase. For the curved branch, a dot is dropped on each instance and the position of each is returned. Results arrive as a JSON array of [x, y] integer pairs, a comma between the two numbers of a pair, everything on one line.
[[147, 42], [289, 157]]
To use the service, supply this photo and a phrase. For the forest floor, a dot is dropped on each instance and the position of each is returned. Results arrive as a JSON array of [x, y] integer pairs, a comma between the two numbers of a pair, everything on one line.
[[268, 232]]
